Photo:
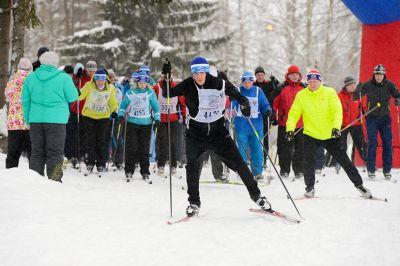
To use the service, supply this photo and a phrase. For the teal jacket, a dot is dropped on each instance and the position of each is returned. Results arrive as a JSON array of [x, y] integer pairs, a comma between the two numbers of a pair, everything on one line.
[[138, 104], [46, 94]]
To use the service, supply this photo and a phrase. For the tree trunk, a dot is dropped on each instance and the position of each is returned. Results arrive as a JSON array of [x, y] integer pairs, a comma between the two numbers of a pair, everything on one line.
[[291, 30], [242, 38], [308, 46], [18, 35], [5, 20]]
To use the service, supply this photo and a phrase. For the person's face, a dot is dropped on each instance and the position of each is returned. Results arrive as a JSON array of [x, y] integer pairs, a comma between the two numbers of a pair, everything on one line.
[[351, 87], [314, 84], [379, 77], [248, 84], [112, 79], [200, 78], [91, 72], [142, 85], [260, 77], [100, 84], [294, 77]]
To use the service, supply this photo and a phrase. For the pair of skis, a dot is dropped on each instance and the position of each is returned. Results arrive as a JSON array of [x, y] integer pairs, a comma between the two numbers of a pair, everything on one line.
[[254, 210]]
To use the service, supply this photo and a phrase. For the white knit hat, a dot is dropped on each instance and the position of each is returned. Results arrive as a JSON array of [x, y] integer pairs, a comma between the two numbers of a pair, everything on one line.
[[25, 64], [49, 58]]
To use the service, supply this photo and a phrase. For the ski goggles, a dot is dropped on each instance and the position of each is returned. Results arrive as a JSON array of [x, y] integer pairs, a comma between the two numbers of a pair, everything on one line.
[[247, 79], [102, 77], [200, 68], [314, 76], [91, 67]]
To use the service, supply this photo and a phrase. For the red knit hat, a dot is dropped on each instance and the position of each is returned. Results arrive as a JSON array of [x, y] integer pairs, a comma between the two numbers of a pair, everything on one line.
[[293, 69], [314, 74]]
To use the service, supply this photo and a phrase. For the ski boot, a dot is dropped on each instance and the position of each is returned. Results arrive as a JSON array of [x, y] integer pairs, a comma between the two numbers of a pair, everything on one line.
[[371, 175], [259, 177], [285, 175], [387, 175], [100, 171], [128, 176], [89, 170], [310, 192], [337, 168], [263, 203], [192, 210], [160, 170], [364, 191], [173, 170], [299, 175]]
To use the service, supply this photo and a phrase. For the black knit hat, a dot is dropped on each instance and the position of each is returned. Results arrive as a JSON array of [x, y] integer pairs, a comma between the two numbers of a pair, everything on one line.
[[379, 69], [42, 50], [259, 70], [68, 69], [349, 80]]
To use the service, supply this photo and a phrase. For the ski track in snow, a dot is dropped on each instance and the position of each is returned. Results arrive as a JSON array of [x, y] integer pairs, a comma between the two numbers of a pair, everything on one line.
[[106, 221]]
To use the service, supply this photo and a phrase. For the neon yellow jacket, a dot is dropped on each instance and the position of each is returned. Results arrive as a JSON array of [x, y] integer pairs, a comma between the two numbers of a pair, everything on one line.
[[321, 111], [99, 104]]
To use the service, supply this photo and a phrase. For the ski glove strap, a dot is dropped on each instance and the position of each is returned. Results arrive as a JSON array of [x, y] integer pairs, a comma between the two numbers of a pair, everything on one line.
[[336, 133], [290, 136]]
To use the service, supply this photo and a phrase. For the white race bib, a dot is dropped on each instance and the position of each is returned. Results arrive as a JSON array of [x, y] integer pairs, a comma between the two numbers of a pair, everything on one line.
[[253, 101], [140, 105], [164, 104], [98, 101]]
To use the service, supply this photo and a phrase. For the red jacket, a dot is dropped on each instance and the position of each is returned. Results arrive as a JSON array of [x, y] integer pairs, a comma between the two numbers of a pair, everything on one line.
[[284, 100], [79, 83], [351, 105], [180, 104]]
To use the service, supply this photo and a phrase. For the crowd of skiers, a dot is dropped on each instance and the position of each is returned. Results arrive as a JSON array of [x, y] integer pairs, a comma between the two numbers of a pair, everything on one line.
[[92, 117]]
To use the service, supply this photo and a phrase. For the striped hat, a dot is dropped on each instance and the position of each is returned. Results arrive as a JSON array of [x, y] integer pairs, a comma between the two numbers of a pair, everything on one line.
[[314, 74], [199, 64], [247, 76]]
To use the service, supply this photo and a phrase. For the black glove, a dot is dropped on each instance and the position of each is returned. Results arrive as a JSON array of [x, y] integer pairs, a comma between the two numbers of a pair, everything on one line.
[[125, 82], [273, 80], [397, 101], [244, 106], [336, 133], [156, 124], [290, 136], [166, 68], [114, 115]]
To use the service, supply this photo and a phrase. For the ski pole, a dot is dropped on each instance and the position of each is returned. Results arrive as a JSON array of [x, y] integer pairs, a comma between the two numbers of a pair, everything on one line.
[[169, 139], [361, 117], [273, 165], [118, 136], [78, 129], [124, 147]]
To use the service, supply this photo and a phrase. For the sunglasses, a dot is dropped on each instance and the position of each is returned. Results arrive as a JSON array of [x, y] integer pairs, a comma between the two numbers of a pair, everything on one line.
[[102, 77]]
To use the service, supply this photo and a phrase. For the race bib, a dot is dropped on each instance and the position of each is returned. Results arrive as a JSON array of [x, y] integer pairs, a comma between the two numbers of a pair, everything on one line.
[[98, 101]]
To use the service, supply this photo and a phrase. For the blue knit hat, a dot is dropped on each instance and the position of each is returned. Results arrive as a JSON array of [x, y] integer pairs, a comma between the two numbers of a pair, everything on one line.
[[199, 64], [142, 76], [100, 74], [145, 68], [247, 76]]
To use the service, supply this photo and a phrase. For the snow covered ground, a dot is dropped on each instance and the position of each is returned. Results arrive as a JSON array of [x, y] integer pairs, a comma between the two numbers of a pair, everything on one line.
[[92, 221]]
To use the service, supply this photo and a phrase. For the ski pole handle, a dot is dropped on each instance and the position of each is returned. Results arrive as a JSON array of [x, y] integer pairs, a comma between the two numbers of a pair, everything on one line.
[[361, 117]]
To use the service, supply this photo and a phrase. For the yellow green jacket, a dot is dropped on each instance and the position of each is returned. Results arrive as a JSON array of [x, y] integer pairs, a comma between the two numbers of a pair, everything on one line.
[[99, 104], [321, 111]]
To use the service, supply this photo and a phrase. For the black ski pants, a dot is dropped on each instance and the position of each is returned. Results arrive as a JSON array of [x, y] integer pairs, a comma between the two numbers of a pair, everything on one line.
[[96, 141], [356, 134], [162, 144], [290, 152], [335, 148], [18, 142], [137, 148], [201, 137], [47, 142]]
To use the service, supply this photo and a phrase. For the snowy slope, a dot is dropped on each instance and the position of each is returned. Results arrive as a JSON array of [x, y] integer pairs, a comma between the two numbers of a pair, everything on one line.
[[92, 221]]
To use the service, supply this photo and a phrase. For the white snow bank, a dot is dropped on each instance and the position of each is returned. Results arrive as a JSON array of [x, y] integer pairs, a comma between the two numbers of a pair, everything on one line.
[[158, 48], [93, 221]]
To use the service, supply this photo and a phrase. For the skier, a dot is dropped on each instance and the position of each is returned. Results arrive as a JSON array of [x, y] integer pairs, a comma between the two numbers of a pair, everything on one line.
[[100, 102], [268, 87], [352, 110], [176, 103], [18, 132], [205, 100], [136, 109], [321, 110], [379, 90], [45, 97], [289, 152], [247, 139]]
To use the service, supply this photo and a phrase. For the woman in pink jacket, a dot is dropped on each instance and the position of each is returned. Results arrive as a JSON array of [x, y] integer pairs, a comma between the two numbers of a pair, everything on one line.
[[18, 131]]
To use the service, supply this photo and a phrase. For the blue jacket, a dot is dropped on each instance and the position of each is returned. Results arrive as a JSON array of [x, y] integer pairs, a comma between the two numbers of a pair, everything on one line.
[[138, 104], [46, 94], [240, 122]]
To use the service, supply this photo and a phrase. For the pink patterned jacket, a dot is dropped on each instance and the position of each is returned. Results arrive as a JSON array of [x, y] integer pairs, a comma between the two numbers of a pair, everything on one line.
[[13, 92]]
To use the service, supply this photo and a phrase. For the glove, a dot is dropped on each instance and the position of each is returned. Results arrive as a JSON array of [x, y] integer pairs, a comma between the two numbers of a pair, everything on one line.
[[120, 119], [166, 68], [156, 124], [273, 80], [114, 115], [336, 133], [397, 101], [244, 106], [290, 136]]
